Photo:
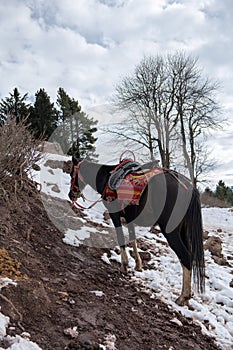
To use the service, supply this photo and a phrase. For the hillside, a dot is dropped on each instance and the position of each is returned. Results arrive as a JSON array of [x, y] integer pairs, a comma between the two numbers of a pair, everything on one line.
[[70, 290], [58, 292]]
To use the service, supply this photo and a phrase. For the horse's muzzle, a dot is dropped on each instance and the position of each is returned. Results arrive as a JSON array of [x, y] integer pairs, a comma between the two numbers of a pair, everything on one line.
[[73, 195]]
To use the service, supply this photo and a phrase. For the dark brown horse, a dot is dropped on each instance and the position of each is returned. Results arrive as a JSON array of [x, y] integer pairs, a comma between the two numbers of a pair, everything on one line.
[[170, 201]]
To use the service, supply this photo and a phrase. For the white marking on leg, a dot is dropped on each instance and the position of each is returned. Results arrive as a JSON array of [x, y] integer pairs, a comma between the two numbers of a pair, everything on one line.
[[186, 292], [138, 260], [124, 260]]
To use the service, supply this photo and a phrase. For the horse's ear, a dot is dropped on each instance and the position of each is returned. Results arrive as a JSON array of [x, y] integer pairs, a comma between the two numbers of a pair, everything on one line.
[[75, 160]]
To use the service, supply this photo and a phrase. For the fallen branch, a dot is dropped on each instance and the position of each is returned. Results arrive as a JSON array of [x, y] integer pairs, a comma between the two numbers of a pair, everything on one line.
[[13, 306]]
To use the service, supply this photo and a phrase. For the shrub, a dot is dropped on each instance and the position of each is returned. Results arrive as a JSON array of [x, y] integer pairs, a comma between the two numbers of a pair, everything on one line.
[[18, 153]]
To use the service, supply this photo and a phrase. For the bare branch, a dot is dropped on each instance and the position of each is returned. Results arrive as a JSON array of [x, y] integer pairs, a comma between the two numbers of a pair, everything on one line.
[[18, 153]]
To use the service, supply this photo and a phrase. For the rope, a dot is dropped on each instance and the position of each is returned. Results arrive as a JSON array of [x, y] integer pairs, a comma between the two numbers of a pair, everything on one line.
[[90, 206], [134, 158]]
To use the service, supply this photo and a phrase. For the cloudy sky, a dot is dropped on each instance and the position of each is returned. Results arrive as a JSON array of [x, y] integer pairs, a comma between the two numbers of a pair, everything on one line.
[[86, 46]]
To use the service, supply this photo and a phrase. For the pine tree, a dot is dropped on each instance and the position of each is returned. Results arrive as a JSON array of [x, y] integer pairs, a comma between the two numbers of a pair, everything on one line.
[[15, 105], [224, 192], [229, 195], [68, 106], [83, 145], [221, 190], [43, 115], [76, 130]]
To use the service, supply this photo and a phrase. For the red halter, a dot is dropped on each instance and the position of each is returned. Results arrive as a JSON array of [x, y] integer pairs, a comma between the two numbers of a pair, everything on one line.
[[76, 174]]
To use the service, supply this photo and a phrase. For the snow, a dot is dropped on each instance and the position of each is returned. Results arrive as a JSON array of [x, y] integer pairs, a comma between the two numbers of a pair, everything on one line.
[[98, 293], [18, 343], [213, 311], [105, 258], [48, 177], [76, 237], [110, 340], [3, 324]]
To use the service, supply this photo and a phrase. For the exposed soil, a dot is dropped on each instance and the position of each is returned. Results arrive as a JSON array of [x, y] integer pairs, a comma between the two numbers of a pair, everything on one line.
[[55, 287]]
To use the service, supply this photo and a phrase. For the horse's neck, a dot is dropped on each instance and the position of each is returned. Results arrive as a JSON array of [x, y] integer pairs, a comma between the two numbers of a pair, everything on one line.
[[102, 177], [96, 175]]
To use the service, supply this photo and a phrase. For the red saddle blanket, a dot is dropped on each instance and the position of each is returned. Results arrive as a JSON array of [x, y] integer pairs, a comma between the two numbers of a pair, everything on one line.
[[131, 187]]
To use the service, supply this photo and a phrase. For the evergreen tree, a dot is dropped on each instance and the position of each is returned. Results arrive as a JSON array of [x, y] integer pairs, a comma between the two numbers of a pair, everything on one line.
[[229, 195], [224, 192], [83, 144], [43, 115], [221, 190], [76, 130], [68, 106], [15, 105]]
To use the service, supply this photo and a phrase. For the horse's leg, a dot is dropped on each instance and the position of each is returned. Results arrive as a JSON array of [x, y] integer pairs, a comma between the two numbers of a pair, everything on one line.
[[132, 238], [186, 287], [121, 242], [179, 247], [115, 215], [124, 260], [138, 260]]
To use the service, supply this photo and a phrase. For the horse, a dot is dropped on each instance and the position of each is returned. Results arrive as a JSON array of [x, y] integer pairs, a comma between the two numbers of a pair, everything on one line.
[[169, 201]]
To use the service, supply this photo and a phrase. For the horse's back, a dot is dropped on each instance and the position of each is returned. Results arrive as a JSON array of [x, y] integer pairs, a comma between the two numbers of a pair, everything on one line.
[[164, 202]]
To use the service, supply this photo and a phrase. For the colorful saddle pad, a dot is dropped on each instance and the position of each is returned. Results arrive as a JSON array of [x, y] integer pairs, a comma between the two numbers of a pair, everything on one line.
[[131, 187]]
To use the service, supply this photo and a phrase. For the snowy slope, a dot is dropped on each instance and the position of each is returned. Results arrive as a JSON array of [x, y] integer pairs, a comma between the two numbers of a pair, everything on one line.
[[213, 311]]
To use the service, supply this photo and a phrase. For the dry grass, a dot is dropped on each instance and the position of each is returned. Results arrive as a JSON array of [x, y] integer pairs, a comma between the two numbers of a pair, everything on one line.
[[9, 267]]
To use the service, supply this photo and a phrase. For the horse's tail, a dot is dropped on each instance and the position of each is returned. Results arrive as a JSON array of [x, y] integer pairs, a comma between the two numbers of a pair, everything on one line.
[[195, 235]]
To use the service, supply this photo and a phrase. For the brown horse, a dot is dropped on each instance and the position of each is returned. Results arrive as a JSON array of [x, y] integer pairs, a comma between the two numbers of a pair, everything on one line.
[[170, 201]]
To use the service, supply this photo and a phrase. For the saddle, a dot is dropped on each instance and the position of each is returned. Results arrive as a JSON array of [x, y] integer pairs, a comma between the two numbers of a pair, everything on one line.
[[129, 180], [127, 166]]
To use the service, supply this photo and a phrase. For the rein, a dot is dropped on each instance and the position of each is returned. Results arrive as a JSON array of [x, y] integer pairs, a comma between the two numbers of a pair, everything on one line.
[[90, 206]]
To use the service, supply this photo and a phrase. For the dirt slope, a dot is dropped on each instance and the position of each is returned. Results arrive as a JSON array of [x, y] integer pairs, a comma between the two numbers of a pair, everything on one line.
[[54, 292]]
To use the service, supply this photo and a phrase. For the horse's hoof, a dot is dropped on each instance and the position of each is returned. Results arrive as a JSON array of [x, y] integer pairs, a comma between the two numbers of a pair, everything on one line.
[[138, 268], [182, 301], [138, 265], [124, 269]]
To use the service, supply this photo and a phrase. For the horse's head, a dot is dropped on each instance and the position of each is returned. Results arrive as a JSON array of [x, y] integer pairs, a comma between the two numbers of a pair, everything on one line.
[[77, 181]]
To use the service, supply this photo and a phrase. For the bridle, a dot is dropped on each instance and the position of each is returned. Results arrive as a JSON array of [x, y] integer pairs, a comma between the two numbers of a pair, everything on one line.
[[76, 174], [76, 188]]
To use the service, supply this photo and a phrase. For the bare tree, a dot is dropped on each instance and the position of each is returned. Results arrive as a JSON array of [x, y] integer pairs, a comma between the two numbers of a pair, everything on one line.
[[144, 95], [203, 163], [170, 106], [197, 110]]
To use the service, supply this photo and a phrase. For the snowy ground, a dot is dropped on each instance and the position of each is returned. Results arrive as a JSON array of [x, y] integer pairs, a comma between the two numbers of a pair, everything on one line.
[[213, 311]]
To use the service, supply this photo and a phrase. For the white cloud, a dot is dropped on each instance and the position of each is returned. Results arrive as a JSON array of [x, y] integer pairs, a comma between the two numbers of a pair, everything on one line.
[[86, 45]]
